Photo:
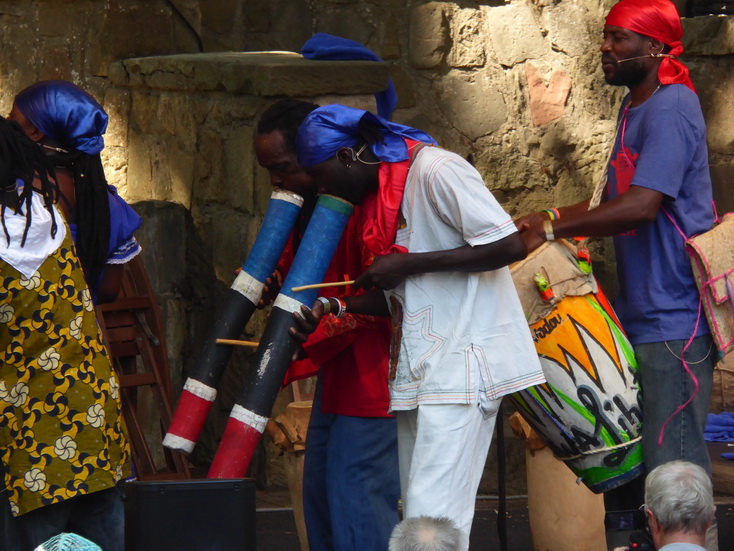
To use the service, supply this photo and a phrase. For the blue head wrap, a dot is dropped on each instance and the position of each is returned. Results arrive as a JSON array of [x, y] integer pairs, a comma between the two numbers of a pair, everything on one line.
[[331, 127], [65, 113], [326, 46]]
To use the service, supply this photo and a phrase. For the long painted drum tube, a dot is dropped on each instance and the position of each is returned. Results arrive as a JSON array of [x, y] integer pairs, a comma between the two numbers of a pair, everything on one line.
[[200, 388], [269, 364], [589, 411]]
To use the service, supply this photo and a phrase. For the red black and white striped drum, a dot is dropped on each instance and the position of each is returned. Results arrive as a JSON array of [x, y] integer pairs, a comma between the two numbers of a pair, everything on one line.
[[589, 410], [200, 388]]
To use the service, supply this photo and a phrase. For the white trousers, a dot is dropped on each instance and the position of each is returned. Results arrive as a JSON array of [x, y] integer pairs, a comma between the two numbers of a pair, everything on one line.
[[442, 450]]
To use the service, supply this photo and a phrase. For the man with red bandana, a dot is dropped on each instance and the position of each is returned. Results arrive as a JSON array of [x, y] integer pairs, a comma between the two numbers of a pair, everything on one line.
[[658, 186]]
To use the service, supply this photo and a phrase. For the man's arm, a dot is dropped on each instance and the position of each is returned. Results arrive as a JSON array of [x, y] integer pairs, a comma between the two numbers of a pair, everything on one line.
[[636, 207], [307, 320], [388, 271]]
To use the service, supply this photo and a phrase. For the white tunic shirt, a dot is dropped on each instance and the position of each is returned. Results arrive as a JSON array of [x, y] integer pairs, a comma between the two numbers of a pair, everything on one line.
[[463, 336]]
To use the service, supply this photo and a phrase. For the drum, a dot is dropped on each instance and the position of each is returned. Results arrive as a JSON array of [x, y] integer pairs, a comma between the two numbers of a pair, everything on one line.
[[589, 410]]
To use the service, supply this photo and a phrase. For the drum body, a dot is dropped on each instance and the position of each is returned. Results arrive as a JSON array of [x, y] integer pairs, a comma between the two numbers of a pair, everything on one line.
[[589, 410]]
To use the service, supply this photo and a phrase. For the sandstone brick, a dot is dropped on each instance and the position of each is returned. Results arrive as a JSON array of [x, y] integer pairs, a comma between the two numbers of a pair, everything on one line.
[[708, 35], [468, 38], [474, 106], [568, 28], [429, 35], [117, 103], [514, 34]]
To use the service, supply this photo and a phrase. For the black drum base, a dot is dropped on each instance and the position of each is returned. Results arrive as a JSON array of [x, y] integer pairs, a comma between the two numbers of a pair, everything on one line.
[[190, 515]]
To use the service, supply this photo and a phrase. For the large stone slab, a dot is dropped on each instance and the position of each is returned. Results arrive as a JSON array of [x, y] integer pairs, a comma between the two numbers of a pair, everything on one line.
[[251, 73], [515, 34]]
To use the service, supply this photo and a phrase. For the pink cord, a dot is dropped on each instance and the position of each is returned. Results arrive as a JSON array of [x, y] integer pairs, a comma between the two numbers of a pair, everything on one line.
[[688, 370]]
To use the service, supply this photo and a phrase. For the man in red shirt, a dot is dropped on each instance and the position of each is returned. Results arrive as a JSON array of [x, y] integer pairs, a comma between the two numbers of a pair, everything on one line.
[[350, 484]]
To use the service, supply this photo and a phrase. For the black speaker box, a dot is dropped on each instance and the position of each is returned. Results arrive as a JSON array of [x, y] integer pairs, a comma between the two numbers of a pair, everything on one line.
[[190, 515]]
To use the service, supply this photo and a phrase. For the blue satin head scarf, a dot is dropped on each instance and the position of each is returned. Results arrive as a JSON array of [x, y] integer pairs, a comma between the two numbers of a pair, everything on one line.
[[326, 46], [65, 113], [331, 127]]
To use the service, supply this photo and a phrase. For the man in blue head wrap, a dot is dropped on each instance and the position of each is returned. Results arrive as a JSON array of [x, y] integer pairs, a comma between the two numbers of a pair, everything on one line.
[[350, 486], [69, 124], [441, 245]]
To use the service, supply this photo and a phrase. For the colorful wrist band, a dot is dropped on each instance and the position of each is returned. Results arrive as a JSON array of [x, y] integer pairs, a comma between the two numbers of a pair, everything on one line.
[[553, 214]]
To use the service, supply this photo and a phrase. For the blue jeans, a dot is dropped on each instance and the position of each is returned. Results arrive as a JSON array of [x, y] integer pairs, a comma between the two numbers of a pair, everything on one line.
[[665, 386], [351, 484], [98, 516]]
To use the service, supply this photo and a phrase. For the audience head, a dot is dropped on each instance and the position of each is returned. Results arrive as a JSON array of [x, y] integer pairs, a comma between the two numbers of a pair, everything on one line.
[[679, 500], [426, 534]]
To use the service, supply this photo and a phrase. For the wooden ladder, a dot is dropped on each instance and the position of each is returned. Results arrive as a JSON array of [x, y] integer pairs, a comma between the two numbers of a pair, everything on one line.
[[134, 337]]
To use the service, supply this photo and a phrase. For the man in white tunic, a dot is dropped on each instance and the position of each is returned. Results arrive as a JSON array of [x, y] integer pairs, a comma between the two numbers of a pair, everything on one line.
[[442, 245]]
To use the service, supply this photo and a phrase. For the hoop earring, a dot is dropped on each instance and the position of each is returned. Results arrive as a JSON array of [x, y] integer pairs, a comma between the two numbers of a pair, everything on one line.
[[356, 157]]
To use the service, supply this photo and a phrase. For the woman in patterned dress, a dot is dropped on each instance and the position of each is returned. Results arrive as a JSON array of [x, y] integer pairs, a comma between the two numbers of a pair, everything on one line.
[[62, 440]]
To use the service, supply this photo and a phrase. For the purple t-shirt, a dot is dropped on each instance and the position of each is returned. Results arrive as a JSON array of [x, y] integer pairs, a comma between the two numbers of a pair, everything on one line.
[[664, 150]]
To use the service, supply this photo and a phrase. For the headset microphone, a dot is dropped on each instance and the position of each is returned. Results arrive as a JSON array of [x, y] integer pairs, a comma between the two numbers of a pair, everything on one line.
[[643, 57]]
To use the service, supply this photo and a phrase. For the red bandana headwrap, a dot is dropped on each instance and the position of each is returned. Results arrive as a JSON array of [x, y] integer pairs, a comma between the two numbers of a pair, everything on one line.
[[657, 19]]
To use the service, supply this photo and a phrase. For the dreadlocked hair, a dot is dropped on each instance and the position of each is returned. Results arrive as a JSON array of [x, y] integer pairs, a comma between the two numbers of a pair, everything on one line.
[[21, 159], [92, 211]]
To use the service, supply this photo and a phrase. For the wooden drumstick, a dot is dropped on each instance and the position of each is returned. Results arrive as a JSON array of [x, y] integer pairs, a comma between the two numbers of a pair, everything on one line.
[[322, 285], [232, 342]]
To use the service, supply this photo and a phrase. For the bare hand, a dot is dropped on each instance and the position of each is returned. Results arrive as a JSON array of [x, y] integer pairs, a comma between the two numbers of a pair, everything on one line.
[[270, 291], [386, 272], [529, 220], [533, 236], [307, 320]]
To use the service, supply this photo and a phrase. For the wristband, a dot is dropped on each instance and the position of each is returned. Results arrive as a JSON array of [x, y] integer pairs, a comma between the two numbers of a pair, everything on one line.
[[342, 308], [327, 304], [338, 312], [548, 229], [553, 214]]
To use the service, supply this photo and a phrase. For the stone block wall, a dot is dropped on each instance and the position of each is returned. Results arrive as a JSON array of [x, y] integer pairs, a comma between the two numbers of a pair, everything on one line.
[[513, 85]]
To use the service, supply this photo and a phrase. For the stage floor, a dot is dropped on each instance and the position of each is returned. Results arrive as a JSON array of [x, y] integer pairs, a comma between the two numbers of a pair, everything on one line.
[[276, 530]]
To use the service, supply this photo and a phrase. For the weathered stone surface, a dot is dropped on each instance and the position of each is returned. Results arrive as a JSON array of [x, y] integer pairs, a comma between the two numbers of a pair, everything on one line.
[[117, 104], [568, 31], [547, 101], [259, 74], [429, 35], [474, 106], [468, 39], [218, 16], [181, 128], [708, 35], [514, 34]]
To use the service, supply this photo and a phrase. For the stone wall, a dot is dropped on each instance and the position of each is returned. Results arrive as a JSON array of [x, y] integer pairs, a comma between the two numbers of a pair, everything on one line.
[[515, 86]]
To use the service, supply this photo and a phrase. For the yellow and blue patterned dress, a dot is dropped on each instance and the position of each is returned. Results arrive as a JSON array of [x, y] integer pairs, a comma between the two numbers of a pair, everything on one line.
[[61, 428]]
